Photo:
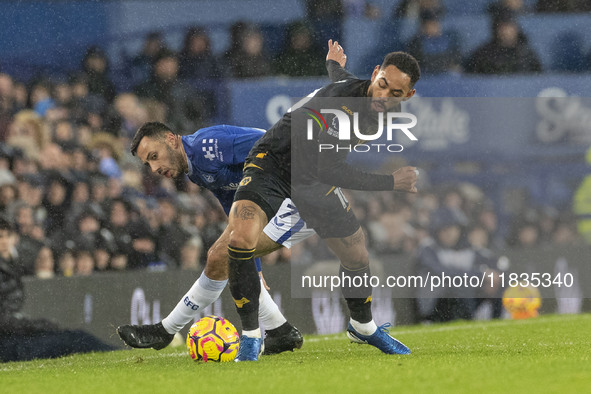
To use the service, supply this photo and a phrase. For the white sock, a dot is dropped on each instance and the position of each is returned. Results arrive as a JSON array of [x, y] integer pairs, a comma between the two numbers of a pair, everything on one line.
[[269, 313], [203, 293], [252, 333], [364, 328]]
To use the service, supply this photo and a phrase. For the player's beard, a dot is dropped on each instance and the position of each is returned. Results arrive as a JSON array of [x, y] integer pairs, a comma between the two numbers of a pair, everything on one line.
[[177, 161]]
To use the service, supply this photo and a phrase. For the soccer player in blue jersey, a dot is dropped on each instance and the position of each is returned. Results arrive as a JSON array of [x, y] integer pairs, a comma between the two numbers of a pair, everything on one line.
[[213, 158]]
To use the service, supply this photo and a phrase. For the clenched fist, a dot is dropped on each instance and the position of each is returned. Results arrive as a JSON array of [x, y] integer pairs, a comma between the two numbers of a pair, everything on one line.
[[405, 179]]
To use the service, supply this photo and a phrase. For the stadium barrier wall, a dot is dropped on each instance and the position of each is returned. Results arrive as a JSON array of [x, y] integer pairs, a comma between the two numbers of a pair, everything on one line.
[[101, 302]]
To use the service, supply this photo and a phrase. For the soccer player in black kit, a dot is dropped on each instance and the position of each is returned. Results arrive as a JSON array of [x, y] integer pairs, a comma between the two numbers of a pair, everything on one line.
[[314, 186]]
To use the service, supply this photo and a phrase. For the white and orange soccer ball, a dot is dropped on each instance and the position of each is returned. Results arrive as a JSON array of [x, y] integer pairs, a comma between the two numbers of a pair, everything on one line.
[[213, 338], [522, 302]]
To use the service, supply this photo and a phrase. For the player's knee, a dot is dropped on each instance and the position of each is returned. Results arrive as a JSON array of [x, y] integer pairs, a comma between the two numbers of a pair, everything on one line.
[[216, 266], [242, 239], [217, 256]]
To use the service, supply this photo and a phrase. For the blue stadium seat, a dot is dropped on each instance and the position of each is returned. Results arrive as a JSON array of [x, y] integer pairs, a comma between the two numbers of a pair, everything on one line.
[[542, 31], [568, 55], [274, 37]]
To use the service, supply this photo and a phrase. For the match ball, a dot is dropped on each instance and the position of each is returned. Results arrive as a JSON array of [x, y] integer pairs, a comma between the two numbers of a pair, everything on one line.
[[522, 302], [213, 338]]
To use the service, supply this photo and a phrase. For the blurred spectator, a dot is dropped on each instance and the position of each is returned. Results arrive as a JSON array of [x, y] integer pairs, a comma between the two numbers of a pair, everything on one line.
[[131, 115], [63, 132], [356, 8], [99, 194], [386, 228], [66, 262], [445, 253], [170, 233], [27, 250], [83, 262], [185, 110], [524, 233], [81, 160], [413, 8], [89, 233], [327, 19], [80, 196], [280, 256], [507, 53], [44, 264], [489, 262], [29, 133], [62, 93], [453, 200], [26, 224], [141, 65], [102, 255], [236, 37], [506, 7], [196, 62], [487, 218], [21, 95], [196, 59], [301, 56], [546, 222], [41, 99], [247, 58], [553, 6], [119, 220], [213, 224], [30, 190], [57, 203], [106, 148], [565, 232], [191, 252], [435, 50], [118, 261], [143, 247], [8, 105], [84, 104], [8, 190], [96, 66]]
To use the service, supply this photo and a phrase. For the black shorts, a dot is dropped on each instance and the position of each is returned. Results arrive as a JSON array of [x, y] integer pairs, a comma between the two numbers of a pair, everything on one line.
[[264, 187], [323, 207]]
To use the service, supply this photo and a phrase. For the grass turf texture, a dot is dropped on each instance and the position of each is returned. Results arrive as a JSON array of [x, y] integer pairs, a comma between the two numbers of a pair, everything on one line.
[[546, 354]]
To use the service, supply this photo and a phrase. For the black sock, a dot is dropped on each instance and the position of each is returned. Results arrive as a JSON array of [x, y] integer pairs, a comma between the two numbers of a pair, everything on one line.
[[244, 286], [357, 292]]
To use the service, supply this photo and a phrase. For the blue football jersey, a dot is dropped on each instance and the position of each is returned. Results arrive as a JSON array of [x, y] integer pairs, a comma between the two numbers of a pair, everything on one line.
[[216, 155]]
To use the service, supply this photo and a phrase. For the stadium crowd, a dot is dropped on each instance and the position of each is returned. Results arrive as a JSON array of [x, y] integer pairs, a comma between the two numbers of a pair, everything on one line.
[[81, 204]]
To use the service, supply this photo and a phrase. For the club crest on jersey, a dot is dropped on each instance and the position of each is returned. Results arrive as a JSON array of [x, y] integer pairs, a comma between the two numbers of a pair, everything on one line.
[[210, 149], [208, 178], [245, 181]]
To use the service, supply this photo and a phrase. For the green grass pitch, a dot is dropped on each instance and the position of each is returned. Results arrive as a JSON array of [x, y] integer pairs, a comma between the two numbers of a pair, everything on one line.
[[548, 354]]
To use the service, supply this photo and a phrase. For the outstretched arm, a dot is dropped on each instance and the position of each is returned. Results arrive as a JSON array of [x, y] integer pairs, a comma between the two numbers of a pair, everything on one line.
[[336, 61]]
